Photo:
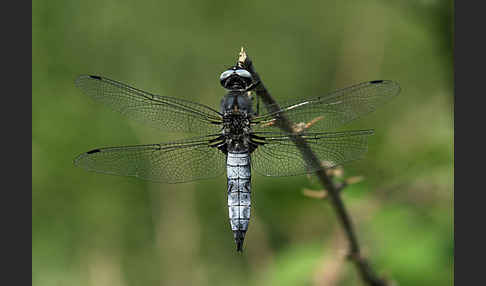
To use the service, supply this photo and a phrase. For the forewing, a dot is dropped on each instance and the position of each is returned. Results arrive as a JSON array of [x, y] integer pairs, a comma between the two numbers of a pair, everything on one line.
[[175, 162], [333, 110], [164, 113], [279, 156]]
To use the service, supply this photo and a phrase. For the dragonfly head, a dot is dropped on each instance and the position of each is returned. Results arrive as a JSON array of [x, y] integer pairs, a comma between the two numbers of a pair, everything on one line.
[[235, 78]]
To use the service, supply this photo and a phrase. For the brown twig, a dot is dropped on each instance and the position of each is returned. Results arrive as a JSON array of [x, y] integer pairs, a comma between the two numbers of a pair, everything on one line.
[[367, 274]]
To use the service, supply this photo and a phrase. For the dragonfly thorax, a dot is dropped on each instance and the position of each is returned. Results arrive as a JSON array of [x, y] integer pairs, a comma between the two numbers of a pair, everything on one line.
[[236, 130], [236, 100]]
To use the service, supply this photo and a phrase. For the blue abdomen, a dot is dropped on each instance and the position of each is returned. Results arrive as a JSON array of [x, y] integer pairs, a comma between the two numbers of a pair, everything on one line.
[[239, 194]]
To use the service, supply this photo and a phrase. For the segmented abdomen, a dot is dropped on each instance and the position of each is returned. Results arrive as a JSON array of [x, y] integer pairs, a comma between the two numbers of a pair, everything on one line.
[[239, 178]]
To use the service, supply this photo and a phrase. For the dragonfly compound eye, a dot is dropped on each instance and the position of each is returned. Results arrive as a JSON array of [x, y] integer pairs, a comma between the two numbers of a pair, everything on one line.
[[226, 74], [245, 75], [235, 79]]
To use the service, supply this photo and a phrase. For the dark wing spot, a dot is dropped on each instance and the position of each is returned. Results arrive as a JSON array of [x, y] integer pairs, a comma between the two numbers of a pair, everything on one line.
[[95, 77], [93, 151], [376, 81]]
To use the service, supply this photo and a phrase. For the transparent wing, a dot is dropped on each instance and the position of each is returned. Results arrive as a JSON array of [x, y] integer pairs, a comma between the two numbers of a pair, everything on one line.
[[333, 110], [279, 156], [165, 113], [175, 162]]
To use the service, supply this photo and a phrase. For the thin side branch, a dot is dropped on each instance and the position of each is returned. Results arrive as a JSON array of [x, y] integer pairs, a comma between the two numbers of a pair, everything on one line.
[[367, 274]]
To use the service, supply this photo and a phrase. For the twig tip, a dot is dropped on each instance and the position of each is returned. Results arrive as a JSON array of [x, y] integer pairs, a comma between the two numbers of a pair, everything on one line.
[[242, 56]]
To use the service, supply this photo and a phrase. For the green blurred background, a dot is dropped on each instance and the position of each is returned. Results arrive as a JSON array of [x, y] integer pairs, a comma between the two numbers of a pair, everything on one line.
[[94, 229]]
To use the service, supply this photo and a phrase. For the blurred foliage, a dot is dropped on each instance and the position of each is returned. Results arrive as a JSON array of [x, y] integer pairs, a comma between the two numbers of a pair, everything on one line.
[[93, 229]]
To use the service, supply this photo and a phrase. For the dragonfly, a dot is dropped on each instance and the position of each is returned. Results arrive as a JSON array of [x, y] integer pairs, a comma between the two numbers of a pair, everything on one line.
[[234, 138]]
